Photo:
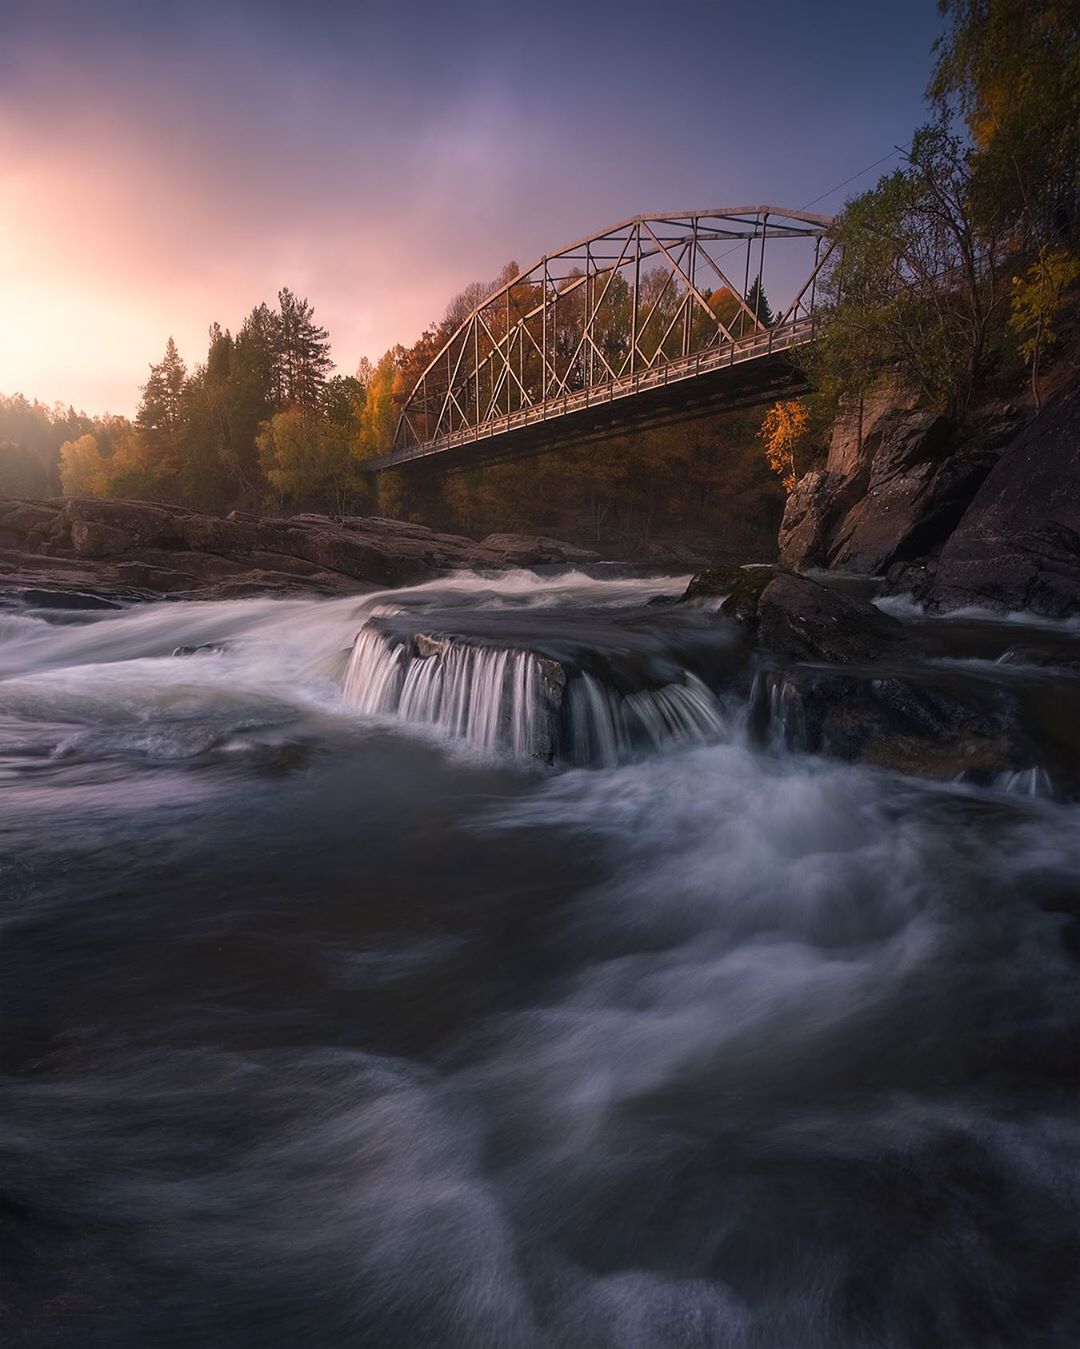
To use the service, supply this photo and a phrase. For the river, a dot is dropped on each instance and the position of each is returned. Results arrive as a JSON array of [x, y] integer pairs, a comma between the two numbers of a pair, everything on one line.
[[352, 997]]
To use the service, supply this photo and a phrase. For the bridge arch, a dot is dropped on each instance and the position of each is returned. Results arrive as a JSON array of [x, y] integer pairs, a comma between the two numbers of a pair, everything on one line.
[[618, 317]]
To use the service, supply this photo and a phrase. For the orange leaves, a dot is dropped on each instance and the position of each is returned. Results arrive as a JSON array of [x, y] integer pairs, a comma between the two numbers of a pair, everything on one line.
[[785, 430]]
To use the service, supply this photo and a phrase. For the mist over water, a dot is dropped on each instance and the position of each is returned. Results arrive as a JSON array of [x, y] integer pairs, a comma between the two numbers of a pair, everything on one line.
[[346, 1010]]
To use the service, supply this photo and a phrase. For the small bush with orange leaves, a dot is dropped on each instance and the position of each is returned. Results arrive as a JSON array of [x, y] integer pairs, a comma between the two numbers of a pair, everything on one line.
[[785, 432]]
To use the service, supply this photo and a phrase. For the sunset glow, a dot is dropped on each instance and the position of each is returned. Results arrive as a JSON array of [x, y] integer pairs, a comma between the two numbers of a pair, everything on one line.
[[160, 174]]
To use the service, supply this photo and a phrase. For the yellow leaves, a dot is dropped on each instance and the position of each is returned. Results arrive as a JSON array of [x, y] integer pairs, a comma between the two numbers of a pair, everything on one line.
[[126, 467], [379, 415], [784, 431], [1037, 298], [83, 468]]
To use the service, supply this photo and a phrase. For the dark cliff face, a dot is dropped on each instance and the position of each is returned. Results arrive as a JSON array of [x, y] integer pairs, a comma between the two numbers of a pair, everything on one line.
[[1018, 544], [985, 514], [894, 496]]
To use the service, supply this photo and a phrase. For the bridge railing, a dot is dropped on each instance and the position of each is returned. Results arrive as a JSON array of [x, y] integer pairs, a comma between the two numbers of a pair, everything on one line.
[[757, 345]]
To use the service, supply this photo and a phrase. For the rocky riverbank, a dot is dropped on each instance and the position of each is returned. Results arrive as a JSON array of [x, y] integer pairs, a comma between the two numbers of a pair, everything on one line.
[[837, 675], [983, 517], [103, 550], [985, 514]]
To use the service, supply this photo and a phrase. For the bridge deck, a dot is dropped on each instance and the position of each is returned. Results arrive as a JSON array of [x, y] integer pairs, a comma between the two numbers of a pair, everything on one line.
[[733, 374]]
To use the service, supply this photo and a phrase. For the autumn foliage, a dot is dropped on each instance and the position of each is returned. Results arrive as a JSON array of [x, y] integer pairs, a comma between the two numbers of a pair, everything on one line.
[[785, 431]]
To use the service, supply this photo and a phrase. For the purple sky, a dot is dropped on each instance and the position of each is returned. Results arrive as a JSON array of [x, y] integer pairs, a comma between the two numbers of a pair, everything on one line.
[[166, 164]]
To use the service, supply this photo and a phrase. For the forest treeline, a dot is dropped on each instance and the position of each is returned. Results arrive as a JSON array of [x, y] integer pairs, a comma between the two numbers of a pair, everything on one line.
[[957, 275], [260, 423]]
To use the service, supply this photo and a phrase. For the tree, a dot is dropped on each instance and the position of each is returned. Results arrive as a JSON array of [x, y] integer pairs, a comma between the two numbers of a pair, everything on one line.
[[159, 410], [912, 285], [303, 353], [137, 469], [31, 435], [785, 432], [758, 304], [1013, 66], [248, 400], [307, 458], [83, 468], [473, 296], [155, 460], [341, 400], [1037, 299], [379, 415]]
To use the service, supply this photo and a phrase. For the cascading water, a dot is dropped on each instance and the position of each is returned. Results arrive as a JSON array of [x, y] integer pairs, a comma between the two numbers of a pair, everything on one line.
[[1034, 781], [317, 1034], [607, 727], [493, 699], [522, 704]]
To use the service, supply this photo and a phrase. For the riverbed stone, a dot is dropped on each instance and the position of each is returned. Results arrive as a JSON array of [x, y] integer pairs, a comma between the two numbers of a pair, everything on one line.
[[801, 619], [94, 540]]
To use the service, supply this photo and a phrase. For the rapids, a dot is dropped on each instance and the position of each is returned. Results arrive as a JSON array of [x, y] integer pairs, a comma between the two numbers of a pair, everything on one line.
[[450, 967]]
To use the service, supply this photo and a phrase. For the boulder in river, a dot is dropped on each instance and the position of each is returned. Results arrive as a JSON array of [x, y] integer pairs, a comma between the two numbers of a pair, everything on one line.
[[801, 619], [906, 721], [839, 677]]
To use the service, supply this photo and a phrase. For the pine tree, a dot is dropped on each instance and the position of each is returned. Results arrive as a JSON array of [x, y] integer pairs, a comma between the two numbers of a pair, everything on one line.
[[159, 410], [303, 352], [758, 303]]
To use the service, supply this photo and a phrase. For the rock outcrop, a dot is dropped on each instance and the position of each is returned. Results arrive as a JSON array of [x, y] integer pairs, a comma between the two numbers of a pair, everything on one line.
[[130, 549], [893, 495], [839, 677], [801, 620], [1018, 546]]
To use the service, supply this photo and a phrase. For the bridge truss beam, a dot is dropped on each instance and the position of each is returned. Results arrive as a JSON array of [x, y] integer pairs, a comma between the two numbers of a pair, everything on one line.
[[653, 301]]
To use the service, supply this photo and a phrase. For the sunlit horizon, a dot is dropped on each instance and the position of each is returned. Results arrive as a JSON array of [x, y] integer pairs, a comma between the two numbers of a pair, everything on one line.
[[155, 181]]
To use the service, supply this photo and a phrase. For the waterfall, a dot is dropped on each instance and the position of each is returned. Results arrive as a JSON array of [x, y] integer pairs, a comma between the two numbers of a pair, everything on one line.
[[776, 710], [606, 727], [1034, 781], [517, 703], [493, 698]]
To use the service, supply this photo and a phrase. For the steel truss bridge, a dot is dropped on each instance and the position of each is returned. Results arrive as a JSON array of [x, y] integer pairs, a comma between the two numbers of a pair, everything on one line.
[[637, 326]]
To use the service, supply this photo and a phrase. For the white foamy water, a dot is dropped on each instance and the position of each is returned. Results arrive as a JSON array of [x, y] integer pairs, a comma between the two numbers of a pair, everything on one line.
[[257, 662], [487, 697], [700, 1048], [508, 699], [907, 607]]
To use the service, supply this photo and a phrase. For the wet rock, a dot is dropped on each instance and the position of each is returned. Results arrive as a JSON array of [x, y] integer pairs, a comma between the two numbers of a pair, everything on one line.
[[163, 580], [713, 583], [208, 534], [800, 619], [808, 514], [746, 588], [899, 721], [26, 524], [897, 481], [524, 550], [213, 647], [148, 526], [65, 599], [365, 560], [917, 491], [171, 551]]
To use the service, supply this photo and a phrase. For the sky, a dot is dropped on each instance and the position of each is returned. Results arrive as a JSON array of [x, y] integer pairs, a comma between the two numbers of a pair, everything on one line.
[[168, 163]]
